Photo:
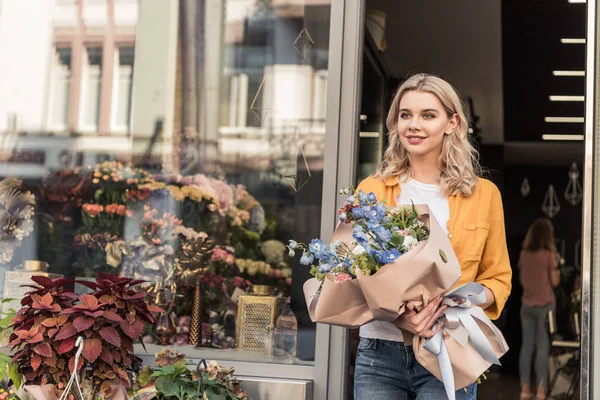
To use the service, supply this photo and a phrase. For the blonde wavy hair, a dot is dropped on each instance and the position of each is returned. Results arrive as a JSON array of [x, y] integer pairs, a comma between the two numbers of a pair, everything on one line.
[[458, 162]]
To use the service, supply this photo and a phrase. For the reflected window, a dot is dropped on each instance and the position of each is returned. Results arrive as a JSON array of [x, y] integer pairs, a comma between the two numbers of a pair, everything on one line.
[[91, 80], [61, 89], [122, 87]]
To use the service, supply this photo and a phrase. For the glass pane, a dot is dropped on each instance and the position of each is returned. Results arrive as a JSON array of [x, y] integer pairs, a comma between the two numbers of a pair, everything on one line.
[[62, 88], [92, 90], [224, 109], [123, 106]]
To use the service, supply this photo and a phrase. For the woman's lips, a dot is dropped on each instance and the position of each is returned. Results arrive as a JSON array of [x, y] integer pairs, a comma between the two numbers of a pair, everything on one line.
[[415, 139]]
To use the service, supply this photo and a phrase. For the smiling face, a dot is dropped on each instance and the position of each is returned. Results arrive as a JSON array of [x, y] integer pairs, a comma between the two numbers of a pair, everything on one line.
[[422, 124]]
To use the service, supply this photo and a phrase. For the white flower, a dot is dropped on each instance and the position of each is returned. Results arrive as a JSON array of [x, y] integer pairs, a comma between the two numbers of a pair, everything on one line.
[[358, 250], [291, 251], [410, 242]]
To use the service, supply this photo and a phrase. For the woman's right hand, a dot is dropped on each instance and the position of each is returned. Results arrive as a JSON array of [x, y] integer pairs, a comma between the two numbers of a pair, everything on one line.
[[420, 323]]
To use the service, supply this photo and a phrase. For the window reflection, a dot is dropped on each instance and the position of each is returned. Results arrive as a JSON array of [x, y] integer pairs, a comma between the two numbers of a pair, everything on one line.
[[180, 143]]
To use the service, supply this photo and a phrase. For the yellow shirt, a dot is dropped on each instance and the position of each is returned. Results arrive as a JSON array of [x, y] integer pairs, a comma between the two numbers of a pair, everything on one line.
[[476, 232]]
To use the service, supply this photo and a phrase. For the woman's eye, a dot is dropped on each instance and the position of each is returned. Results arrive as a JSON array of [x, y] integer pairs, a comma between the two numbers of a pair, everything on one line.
[[404, 115], [428, 116]]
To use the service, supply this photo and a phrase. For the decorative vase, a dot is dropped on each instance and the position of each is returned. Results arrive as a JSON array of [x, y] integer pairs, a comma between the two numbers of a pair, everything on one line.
[[164, 328], [195, 320]]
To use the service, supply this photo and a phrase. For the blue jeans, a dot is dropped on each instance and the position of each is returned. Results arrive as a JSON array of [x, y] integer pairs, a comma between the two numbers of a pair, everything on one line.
[[535, 339], [387, 370]]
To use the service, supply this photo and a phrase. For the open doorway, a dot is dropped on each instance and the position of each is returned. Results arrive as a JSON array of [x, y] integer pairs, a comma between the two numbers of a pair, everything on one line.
[[520, 66]]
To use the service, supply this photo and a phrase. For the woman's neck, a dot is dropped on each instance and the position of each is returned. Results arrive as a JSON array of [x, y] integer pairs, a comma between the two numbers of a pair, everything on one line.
[[425, 172]]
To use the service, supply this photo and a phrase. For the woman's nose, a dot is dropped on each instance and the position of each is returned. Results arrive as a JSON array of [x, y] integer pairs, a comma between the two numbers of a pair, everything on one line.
[[414, 124]]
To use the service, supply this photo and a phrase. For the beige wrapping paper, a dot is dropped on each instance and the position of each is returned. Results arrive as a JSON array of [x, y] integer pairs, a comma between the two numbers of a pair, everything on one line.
[[338, 303], [467, 364], [426, 271]]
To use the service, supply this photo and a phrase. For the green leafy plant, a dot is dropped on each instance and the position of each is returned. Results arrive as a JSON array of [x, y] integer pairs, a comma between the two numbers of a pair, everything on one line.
[[173, 380], [6, 320]]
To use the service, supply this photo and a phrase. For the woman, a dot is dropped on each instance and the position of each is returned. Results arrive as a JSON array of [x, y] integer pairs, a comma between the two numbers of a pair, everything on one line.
[[539, 275], [430, 161]]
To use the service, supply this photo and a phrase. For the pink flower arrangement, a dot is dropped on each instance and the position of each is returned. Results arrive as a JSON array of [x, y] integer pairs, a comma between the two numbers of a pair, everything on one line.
[[220, 254]]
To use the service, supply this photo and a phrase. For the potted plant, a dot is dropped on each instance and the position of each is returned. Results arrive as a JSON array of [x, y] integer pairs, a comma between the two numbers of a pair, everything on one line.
[[171, 379], [109, 320]]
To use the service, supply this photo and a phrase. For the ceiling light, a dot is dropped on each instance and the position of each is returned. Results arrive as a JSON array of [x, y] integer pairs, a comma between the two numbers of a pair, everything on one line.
[[568, 73], [562, 137], [572, 41], [568, 120], [577, 1], [567, 98]]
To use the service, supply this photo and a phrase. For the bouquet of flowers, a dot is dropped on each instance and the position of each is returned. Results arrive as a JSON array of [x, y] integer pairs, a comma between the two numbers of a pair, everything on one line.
[[383, 257], [398, 254]]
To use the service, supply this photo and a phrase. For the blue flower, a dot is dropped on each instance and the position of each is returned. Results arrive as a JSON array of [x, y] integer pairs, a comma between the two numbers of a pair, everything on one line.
[[360, 236], [343, 217], [379, 256], [316, 245], [383, 233], [293, 244], [368, 249], [362, 198], [348, 262], [358, 212], [391, 256], [324, 268], [381, 208], [371, 198], [351, 199], [307, 259]]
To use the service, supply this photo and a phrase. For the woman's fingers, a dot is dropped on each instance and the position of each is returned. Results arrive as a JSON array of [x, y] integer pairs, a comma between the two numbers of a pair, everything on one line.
[[427, 313], [427, 324], [430, 333], [432, 320]]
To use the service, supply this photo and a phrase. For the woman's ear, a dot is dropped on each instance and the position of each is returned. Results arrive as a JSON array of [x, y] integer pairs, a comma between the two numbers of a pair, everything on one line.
[[452, 124]]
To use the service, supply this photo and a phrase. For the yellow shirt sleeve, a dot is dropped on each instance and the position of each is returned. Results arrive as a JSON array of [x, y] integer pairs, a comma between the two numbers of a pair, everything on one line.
[[495, 271]]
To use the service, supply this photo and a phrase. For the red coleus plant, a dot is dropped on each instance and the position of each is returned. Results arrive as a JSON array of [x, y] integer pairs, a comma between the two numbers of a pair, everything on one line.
[[110, 320], [41, 334]]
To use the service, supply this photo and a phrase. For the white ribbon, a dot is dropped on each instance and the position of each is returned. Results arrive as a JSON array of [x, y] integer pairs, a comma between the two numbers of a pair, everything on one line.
[[74, 376], [461, 326]]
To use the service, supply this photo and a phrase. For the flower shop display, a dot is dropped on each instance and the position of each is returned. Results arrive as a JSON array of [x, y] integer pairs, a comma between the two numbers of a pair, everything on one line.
[[109, 320], [198, 242], [380, 259], [171, 379]]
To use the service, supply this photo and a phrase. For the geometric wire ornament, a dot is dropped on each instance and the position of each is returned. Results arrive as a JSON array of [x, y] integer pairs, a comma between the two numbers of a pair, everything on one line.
[[525, 188], [551, 206], [260, 112], [573, 191], [304, 43], [295, 178]]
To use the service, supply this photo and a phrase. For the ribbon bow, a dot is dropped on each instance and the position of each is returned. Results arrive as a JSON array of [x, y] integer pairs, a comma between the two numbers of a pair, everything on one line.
[[461, 326]]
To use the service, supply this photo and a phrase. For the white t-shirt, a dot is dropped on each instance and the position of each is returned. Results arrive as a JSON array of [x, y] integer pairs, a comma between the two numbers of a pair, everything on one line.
[[418, 193]]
